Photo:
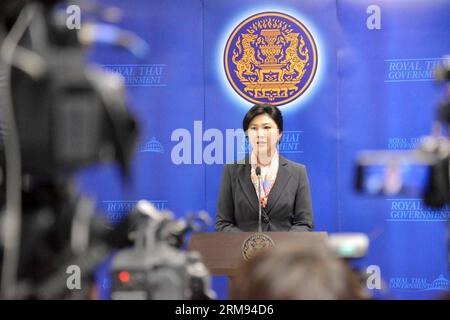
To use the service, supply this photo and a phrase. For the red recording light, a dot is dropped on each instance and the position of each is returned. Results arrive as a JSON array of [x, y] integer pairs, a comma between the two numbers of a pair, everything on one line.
[[124, 276]]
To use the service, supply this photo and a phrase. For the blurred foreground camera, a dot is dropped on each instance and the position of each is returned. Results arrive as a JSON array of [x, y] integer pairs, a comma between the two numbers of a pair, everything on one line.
[[422, 173], [57, 114], [154, 268]]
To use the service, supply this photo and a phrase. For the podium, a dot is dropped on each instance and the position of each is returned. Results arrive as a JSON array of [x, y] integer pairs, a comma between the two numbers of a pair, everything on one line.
[[222, 251]]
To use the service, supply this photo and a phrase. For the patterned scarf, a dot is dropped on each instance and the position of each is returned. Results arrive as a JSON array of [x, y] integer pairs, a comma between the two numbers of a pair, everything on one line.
[[267, 178]]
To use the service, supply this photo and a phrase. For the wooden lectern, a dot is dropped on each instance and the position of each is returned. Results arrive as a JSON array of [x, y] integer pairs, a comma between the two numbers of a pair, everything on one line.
[[222, 251]]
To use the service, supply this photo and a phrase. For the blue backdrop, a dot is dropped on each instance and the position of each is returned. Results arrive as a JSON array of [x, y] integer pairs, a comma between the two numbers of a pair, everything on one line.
[[372, 89]]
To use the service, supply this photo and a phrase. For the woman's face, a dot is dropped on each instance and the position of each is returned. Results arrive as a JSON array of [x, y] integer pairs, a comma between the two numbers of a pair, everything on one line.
[[263, 135]]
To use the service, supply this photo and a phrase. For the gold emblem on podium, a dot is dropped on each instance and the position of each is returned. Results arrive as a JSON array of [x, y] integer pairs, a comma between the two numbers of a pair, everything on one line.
[[256, 243]]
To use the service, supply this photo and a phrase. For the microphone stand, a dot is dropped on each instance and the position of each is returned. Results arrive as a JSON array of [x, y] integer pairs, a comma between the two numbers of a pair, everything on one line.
[[258, 174]]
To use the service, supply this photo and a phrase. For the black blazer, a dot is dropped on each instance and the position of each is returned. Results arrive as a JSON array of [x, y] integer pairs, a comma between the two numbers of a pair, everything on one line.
[[288, 207]]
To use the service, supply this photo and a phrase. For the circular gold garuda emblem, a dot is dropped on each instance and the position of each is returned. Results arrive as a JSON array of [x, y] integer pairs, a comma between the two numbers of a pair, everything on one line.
[[256, 243], [270, 57]]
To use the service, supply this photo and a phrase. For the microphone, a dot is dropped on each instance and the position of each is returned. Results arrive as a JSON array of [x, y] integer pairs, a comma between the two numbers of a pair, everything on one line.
[[258, 174]]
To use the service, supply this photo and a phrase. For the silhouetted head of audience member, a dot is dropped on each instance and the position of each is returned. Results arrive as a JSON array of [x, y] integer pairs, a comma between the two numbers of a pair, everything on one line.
[[297, 272]]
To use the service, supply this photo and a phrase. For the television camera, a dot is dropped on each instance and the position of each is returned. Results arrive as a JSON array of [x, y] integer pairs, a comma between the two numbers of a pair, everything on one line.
[[423, 172], [57, 115]]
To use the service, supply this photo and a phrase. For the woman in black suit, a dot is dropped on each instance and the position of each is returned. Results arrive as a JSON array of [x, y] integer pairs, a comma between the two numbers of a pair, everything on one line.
[[280, 185]]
